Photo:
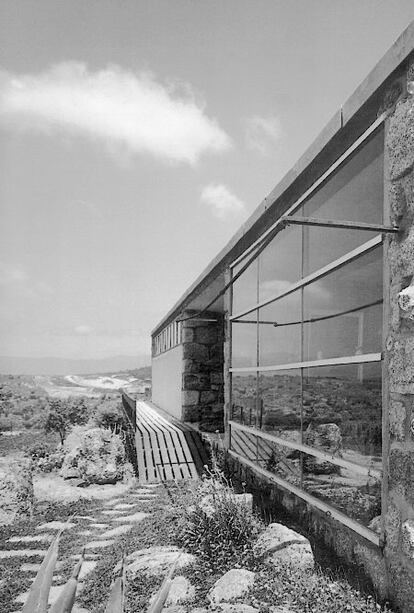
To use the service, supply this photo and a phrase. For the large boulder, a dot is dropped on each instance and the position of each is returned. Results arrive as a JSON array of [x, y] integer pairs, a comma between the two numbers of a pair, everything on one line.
[[99, 457], [233, 584], [16, 491], [281, 544]]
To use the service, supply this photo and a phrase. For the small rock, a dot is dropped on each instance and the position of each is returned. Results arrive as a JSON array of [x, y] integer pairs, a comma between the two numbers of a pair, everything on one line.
[[56, 525], [30, 567], [87, 567], [98, 544], [30, 539], [118, 531], [157, 559], [275, 537], [124, 505], [139, 516], [234, 584], [22, 553], [235, 608], [180, 591], [300, 555]]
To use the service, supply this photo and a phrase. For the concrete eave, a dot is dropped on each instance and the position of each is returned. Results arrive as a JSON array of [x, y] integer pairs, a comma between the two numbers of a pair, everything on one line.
[[346, 125]]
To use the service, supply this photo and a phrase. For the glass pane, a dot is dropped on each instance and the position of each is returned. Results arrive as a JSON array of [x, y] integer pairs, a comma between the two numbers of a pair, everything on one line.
[[280, 263], [245, 287], [244, 341], [353, 193], [341, 330], [342, 412], [280, 344], [243, 397], [282, 461], [355, 494], [280, 403]]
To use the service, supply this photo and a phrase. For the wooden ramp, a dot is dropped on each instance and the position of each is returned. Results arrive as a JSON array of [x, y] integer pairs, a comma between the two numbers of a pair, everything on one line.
[[165, 450]]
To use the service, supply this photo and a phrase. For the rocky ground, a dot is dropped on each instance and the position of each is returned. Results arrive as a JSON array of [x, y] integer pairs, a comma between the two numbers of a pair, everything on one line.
[[142, 523]]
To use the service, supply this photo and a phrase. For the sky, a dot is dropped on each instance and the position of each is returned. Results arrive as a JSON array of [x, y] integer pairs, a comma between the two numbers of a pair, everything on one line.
[[137, 136]]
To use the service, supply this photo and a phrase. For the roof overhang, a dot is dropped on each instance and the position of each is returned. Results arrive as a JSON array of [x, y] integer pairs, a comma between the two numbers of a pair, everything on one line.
[[346, 126]]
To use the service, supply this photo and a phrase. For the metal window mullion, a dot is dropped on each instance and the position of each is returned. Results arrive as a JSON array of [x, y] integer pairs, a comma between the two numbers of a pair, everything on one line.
[[348, 359], [318, 274], [377, 123], [301, 447], [316, 502]]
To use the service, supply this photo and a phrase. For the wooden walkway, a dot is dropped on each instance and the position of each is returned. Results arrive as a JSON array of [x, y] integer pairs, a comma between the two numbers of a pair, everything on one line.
[[166, 450]]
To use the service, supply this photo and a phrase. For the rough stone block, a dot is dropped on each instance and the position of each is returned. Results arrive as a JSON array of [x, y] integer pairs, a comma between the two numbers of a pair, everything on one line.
[[375, 567], [190, 366], [397, 420], [207, 335], [190, 397], [400, 141], [187, 335], [216, 354], [407, 534], [195, 381], [392, 528], [191, 413], [401, 366], [195, 351], [398, 465], [208, 397], [216, 378]]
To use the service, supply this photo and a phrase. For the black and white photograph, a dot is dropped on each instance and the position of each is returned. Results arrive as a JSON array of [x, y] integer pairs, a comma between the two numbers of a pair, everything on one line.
[[206, 306]]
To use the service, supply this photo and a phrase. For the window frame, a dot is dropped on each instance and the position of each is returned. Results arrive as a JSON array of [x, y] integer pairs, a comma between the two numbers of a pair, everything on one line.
[[369, 245]]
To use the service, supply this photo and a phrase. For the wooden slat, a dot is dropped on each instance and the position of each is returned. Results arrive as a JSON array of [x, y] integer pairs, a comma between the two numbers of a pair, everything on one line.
[[163, 450]]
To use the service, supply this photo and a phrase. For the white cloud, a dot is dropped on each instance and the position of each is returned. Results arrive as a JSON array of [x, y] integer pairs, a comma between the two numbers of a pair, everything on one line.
[[130, 113], [11, 275], [263, 133], [83, 330], [223, 203]]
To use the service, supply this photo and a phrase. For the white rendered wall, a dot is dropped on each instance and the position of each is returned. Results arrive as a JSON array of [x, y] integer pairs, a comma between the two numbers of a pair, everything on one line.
[[167, 370]]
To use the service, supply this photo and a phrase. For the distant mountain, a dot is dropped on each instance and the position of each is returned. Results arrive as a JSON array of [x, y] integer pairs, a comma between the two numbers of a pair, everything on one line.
[[61, 366]]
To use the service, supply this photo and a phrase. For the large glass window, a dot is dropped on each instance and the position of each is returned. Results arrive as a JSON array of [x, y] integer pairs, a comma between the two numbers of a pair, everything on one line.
[[306, 350]]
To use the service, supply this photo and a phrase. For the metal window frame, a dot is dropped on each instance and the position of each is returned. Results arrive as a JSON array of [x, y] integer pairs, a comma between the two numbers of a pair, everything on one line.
[[379, 239], [313, 451], [318, 183], [340, 361], [318, 274], [315, 502]]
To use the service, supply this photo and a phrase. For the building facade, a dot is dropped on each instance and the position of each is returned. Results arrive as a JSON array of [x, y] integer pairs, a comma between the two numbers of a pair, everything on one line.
[[298, 339]]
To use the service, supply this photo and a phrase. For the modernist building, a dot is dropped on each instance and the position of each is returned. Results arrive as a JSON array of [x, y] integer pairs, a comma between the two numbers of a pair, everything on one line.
[[299, 335]]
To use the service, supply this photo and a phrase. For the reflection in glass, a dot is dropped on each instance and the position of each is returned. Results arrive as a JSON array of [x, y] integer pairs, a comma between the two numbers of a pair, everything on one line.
[[280, 263], [348, 490], [244, 341], [244, 398], [245, 287], [280, 393], [340, 329], [353, 193], [280, 344], [342, 411]]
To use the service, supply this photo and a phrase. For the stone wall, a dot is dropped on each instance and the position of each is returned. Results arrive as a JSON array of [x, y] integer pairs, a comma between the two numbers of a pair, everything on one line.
[[399, 353], [202, 383]]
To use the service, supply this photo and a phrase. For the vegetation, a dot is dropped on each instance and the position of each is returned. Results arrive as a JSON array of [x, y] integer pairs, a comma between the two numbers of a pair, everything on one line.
[[63, 414]]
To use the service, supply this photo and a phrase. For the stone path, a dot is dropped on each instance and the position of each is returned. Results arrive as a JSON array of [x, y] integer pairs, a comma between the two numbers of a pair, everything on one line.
[[116, 518]]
